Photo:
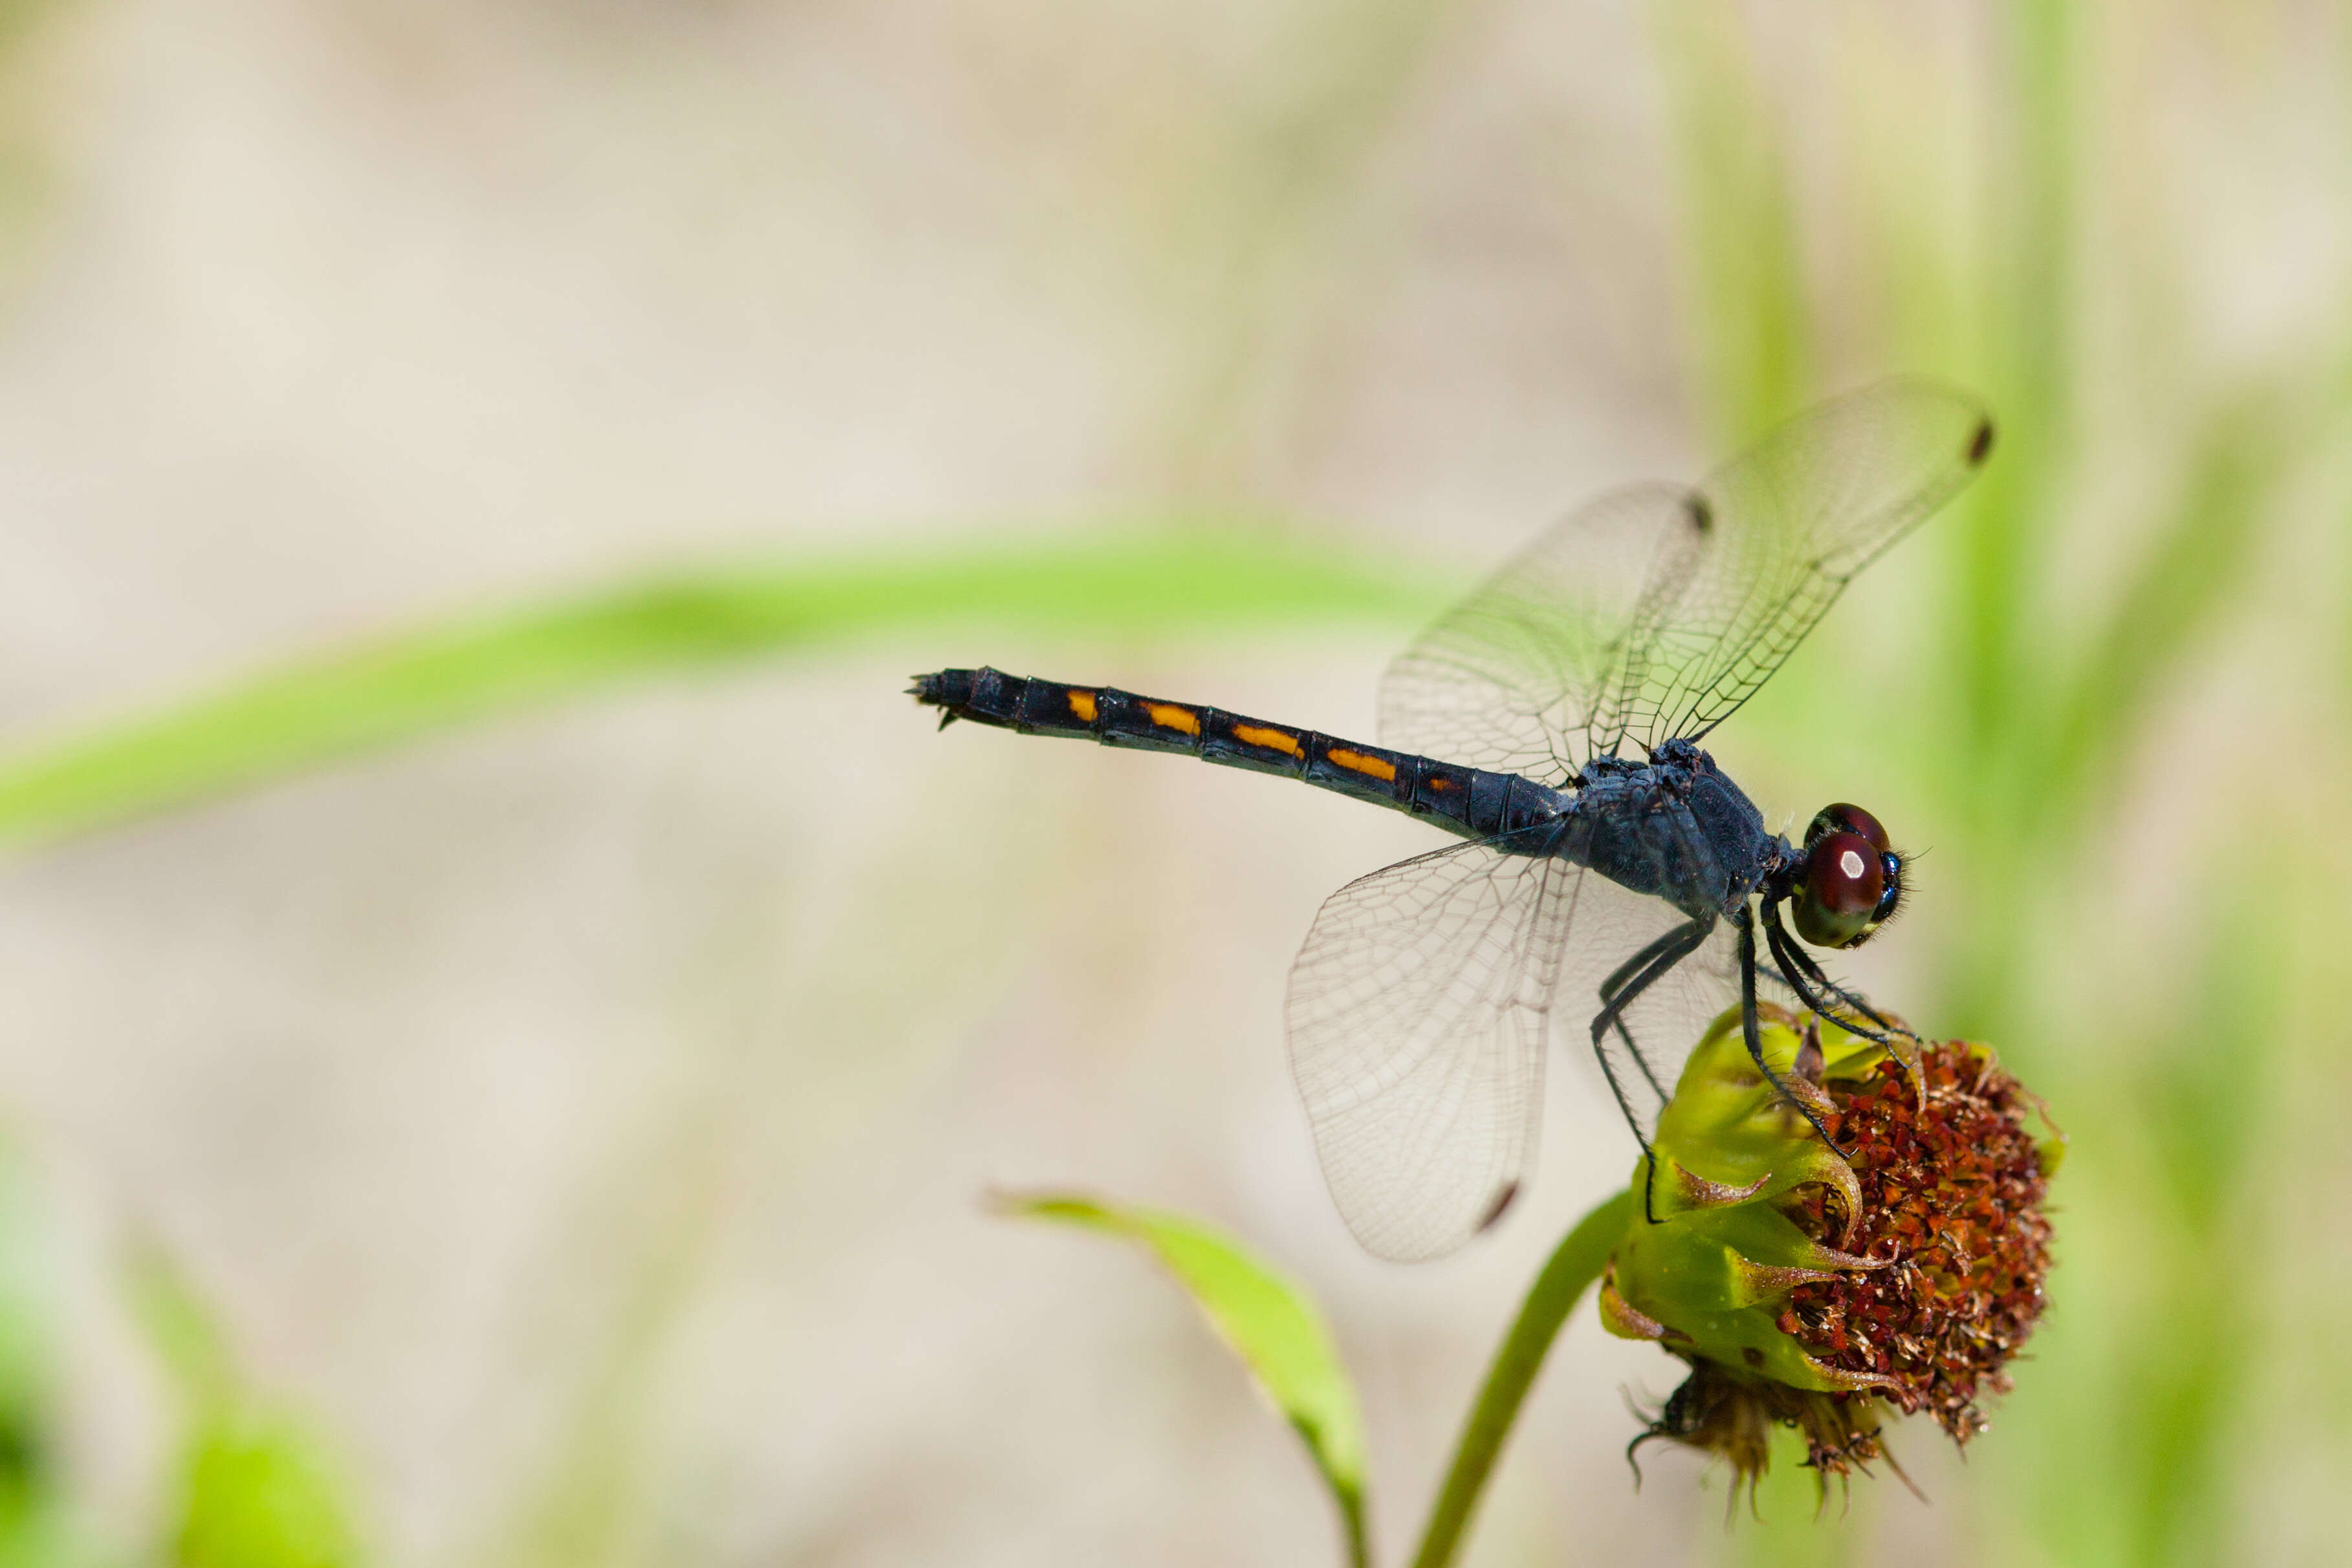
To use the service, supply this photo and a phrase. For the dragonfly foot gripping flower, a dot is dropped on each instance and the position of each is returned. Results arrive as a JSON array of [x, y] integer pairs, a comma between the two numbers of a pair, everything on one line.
[[1815, 1290]]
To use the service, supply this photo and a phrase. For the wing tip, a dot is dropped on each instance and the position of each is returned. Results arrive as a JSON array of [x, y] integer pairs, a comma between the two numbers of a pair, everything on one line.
[[1980, 442]]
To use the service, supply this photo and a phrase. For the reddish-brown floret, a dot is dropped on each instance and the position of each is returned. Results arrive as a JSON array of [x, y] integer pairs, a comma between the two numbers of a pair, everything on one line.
[[1952, 1196]]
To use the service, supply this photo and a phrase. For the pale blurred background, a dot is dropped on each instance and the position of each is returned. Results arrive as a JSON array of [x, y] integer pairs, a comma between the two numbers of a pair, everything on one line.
[[560, 1139]]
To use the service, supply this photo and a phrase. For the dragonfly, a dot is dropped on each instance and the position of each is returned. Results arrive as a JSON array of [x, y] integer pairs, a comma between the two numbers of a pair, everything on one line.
[[1608, 870]]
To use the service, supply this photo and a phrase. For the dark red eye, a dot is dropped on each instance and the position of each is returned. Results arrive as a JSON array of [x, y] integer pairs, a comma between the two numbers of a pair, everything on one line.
[[1844, 880], [1844, 818]]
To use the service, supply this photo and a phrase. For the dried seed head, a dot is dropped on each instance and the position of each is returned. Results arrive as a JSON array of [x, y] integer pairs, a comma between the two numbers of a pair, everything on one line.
[[1801, 1286]]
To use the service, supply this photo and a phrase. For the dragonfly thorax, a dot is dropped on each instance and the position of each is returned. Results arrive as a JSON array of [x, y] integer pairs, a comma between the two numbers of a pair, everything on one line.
[[1675, 828]]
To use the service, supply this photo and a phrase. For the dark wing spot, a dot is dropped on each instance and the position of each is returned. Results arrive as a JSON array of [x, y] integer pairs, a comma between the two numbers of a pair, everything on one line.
[[1502, 1201], [1702, 515], [1752, 1356], [1980, 444]]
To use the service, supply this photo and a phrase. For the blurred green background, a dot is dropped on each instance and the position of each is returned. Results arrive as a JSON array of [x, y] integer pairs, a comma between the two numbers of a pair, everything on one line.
[[511, 1013]]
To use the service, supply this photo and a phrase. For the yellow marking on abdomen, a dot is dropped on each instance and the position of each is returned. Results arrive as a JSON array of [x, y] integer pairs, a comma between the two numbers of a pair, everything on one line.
[[1082, 704], [1168, 716], [1357, 762], [1272, 740]]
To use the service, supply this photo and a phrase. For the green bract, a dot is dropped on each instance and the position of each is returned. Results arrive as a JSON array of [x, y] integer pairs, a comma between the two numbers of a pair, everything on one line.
[[1711, 1278]]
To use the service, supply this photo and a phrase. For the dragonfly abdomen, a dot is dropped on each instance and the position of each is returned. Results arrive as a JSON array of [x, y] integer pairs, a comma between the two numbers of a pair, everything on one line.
[[1469, 801]]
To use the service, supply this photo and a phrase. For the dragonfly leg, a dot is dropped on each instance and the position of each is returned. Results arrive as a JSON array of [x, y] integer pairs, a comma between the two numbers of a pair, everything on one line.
[[1753, 1035], [1816, 990], [1796, 967], [1623, 976], [1804, 977], [1619, 992]]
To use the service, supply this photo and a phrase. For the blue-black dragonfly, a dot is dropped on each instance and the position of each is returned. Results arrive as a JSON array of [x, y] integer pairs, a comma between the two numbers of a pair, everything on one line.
[[1552, 721]]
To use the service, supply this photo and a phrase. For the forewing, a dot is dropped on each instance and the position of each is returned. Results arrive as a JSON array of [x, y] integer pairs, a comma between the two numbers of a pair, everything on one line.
[[1535, 671], [1416, 1021], [1656, 611], [1788, 524]]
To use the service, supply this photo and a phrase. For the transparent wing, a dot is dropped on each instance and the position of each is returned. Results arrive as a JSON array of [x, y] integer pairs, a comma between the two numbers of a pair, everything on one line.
[[1792, 521], [1656, 611], [1418, 1015], [1524, 675], [1416, 1025]]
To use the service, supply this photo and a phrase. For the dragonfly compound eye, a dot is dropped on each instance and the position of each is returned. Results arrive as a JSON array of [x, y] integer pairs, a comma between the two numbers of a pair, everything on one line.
[[1844, 882], [1844, 818]]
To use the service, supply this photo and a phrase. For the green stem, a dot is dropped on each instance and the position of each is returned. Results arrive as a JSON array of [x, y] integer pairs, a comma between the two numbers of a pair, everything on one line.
[[1351, 1514], [1575, 1264]]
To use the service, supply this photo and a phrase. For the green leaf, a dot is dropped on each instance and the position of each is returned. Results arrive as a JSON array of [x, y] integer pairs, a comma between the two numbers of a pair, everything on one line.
[[1269, 1322], [256, 1497], [441, 675], [36, 1522], [255, 1488]]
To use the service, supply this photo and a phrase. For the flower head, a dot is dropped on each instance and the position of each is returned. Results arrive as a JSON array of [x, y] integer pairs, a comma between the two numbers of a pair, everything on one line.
[[1813, 1290]]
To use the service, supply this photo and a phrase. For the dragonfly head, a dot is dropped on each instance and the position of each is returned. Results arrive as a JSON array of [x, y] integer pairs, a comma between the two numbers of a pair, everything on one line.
[[1849, 883]]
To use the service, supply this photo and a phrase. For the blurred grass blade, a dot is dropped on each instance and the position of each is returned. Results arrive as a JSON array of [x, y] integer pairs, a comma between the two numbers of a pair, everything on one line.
[[1252, 241], [2030, 282], [441, 675], [1269, 1322], [2184, 584], [180, 1330], [1744, 282], [255, 1490]]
